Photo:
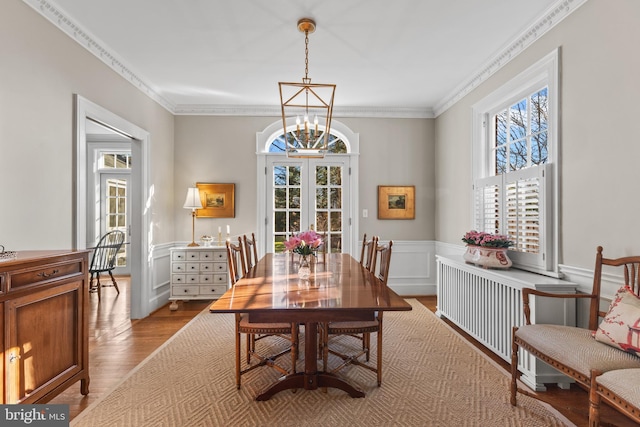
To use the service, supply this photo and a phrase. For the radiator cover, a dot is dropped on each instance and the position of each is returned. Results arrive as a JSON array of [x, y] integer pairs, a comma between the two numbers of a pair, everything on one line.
[[486, 304]]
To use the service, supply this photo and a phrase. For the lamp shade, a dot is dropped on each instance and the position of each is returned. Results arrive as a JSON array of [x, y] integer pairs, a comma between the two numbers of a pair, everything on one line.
[[193, 199]]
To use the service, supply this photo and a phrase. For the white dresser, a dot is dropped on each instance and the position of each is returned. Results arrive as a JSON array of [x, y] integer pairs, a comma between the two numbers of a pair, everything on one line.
[[198, 273]]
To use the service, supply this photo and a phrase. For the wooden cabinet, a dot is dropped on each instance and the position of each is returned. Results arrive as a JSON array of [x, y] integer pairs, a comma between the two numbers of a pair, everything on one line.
[[43, 325], [198, 273]]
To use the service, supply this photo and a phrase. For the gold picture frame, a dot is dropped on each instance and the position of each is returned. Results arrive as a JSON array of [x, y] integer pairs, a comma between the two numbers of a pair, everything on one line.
[[396, 202], [218, 200]]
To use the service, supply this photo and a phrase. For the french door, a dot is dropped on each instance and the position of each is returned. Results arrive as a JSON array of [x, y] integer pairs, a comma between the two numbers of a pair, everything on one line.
[[305, 194], [115, 213]]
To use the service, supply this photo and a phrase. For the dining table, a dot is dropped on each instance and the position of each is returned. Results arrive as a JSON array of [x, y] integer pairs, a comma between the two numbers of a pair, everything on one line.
[[338, 289]]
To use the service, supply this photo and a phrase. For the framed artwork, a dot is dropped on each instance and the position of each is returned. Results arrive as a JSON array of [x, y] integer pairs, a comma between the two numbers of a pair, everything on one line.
[[218, 200], [395, 202]]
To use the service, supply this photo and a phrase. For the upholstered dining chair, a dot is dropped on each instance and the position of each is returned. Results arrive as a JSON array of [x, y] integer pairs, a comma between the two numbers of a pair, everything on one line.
[[104, 259], [368, 249], [361, 330], [289, 331], [250, 252]]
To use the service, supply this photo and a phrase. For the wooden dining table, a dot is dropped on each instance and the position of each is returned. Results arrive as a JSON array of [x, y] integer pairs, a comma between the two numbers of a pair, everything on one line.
[[339, 289]]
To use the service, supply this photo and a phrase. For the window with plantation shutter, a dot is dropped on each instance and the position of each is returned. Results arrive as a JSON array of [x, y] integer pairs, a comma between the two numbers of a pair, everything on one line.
[[514, 162]]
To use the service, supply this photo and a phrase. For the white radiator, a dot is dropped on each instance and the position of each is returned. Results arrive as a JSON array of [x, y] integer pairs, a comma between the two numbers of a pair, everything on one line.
[[488, 303]]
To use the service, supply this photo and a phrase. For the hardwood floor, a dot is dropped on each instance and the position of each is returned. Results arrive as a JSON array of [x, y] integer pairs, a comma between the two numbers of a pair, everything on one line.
[[117, 345]]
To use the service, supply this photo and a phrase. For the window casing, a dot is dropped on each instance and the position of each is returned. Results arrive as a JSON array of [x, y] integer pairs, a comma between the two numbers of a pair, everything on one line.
[[515, 143]]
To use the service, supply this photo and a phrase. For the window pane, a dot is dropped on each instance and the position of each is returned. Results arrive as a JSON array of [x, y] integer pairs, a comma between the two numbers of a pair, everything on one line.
[[280, 175], [539, 111], [280, 198], [321, 198], [336, 198], [278, 243], [321, 221], [336, 175], [294, 198], [294, 221], [501, 160], [539, 152], [336, 221], [518, 155], [280, 222], [321, 175], [501, 128], [518, 120], [294, 175]]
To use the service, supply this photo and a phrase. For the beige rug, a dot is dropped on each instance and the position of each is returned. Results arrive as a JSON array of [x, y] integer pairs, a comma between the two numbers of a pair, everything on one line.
[[432, 377]]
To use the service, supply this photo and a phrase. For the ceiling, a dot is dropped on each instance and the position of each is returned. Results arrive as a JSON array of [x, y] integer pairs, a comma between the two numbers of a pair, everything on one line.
[[216, 56]]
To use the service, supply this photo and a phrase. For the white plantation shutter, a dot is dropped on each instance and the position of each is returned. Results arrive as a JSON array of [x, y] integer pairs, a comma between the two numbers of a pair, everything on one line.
[[516, 204]]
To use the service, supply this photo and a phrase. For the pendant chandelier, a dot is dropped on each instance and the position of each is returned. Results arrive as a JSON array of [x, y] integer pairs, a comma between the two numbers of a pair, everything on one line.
[[308, 105]]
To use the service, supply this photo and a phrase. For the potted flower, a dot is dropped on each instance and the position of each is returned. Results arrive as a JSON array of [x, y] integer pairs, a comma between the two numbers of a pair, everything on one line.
[[487, 250], [304, 244]]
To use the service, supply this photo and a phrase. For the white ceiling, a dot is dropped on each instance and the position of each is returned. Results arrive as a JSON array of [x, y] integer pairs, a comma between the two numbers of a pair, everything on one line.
[[208, 55]]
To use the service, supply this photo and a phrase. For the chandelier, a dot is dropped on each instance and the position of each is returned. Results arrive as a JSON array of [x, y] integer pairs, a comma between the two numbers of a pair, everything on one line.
[[309, 105]]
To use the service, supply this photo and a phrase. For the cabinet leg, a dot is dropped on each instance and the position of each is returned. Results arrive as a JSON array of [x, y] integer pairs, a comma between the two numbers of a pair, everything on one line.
[[173, 306]]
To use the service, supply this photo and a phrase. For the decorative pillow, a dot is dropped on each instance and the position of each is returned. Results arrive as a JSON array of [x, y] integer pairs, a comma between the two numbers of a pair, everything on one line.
[[621, 326]]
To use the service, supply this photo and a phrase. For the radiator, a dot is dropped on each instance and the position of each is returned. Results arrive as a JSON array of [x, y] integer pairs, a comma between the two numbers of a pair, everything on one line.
[[486, 304]]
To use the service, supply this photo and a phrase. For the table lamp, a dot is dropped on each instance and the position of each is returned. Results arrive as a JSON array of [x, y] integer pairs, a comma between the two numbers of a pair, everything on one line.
[[193, 202]]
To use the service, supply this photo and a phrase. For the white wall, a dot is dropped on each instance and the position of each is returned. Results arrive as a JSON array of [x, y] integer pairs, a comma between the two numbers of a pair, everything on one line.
[[599, 150], [41, 70]]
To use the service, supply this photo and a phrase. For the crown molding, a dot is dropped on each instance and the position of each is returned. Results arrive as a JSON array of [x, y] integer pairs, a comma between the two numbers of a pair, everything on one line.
[[57, 17], [552, 17], [548, 20], [275, 111]]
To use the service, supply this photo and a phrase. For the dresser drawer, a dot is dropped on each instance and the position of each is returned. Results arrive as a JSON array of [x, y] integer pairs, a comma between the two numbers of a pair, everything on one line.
[[185, 290], [179, 256], [44, 273], [220, 278], [207, 256], [179, 278], [206, 267], [213, 290], [179, 267], [206, 278], [192, 278], [219, 267], [193, 267]]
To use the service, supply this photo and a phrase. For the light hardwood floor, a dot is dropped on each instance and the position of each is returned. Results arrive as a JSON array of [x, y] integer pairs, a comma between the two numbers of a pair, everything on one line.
[[118, 344]]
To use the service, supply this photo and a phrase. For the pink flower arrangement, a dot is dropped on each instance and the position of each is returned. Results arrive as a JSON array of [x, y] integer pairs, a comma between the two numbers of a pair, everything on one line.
[[488, 240], [305, 243]]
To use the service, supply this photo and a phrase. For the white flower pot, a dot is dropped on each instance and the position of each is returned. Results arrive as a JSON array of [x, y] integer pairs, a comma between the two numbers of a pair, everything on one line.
[[487, 257]]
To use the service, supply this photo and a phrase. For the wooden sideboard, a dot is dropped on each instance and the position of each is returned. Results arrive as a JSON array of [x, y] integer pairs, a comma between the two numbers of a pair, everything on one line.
[[43, 325]]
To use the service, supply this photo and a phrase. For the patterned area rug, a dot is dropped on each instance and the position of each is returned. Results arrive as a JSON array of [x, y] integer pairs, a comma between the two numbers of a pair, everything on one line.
[[432, 377]]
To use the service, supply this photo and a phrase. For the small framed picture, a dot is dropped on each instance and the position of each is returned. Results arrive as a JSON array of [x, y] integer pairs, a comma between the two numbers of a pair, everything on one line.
[[396, 202], [218, 200]]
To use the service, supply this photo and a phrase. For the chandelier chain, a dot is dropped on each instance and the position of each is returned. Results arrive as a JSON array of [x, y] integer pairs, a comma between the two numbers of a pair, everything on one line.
[[306, 55]]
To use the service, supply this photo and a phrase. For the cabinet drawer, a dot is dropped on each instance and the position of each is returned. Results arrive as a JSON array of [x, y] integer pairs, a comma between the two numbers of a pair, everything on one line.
[[206, 278], [220, 255], [44, 273], [193, 255], [219, 266], [220, 278], [206, 267], [179, 267], [185, 290], [206, 256], [193, 267], [213, 290], [193, 278], [178, 278], [178, 256]]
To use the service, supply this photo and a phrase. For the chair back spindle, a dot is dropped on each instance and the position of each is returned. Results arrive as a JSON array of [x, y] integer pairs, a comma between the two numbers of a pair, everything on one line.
[[235, 258]]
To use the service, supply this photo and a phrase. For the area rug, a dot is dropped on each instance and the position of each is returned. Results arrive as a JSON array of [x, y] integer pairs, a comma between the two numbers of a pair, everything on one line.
[[431, 377]]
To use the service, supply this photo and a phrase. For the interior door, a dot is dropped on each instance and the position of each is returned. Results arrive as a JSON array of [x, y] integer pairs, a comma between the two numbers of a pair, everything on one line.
[[116, 213], [308, 193]]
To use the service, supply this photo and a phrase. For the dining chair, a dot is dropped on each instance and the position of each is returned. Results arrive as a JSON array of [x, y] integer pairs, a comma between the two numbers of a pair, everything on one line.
[[288, 331], [104, 259], [368, 249], [250, 252], [362, 330]]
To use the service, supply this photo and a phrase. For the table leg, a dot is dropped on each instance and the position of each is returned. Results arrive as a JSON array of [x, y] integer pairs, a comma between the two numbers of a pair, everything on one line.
[[310, 379]]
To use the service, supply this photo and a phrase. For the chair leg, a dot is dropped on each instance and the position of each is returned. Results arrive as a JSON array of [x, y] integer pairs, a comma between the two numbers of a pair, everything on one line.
[[238, 341], [98, 286], [594, 400], [114, 282], [514, 367], [379, 351], [294, 346], [249, 349]]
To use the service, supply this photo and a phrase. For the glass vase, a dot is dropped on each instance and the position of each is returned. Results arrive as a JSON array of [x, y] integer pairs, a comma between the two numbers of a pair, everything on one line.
[[304, 271]]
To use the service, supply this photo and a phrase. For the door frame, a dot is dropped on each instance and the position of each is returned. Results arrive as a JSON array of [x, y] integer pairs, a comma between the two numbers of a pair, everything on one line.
[[266, 137], [140, 179]]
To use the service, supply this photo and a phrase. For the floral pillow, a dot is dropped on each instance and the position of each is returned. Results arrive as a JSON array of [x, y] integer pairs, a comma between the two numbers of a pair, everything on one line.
[[621, 326]]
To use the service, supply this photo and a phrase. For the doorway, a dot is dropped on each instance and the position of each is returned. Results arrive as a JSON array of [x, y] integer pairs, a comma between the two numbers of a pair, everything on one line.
[[140, 224]]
